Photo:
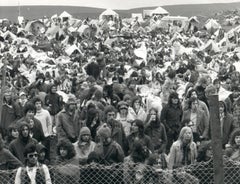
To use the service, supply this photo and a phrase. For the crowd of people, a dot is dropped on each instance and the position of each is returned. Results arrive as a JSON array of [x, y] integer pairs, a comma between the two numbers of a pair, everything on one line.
[[122, 95]]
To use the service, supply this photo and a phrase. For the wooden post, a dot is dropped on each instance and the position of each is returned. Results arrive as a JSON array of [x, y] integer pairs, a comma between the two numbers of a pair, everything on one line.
[[216, 139], [3, 87]]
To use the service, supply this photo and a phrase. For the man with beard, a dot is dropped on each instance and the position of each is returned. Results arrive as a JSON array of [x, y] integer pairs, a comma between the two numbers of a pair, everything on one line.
[[68, 121], [17, 146]]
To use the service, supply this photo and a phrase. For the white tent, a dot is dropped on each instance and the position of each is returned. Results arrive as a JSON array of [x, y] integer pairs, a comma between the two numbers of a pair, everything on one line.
[[65, 15], [108, 13], [212, 24], [159, 11]]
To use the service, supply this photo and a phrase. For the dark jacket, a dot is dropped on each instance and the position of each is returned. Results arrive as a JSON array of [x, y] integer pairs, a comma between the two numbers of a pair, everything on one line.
[[54, 102], [8, 160], [17, 147], [68, 126], [158, 136], [171, 117], [113, 153], [145, 141], [36, 131]]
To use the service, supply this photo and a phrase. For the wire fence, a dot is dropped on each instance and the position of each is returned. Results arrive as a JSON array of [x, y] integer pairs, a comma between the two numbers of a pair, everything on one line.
[[199, 173]]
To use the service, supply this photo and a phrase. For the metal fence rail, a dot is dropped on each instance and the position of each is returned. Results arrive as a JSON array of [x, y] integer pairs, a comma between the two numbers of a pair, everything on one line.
[[200, 173]]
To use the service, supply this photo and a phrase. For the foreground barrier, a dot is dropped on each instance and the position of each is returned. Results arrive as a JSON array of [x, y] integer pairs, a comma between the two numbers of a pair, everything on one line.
[[199, 173]]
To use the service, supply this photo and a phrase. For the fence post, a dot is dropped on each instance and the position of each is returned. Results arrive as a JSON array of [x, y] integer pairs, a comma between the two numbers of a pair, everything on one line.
[[3, 86], [216, 139]]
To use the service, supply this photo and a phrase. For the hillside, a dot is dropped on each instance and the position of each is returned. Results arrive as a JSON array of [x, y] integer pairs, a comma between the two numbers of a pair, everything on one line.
[[34, 12]]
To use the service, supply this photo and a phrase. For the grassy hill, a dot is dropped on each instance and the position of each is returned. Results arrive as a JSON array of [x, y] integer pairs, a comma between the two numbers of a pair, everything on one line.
[[34, 12]]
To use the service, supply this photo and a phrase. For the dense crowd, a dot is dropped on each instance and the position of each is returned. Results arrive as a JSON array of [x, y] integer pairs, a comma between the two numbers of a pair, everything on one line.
[[115, 93]]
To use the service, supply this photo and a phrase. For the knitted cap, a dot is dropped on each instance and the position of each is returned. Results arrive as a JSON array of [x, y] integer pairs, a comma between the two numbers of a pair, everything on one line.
[[85, 131], [104, 131]]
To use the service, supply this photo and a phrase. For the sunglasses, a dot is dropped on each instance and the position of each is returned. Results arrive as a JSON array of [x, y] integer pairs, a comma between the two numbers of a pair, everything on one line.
[[31, 155]]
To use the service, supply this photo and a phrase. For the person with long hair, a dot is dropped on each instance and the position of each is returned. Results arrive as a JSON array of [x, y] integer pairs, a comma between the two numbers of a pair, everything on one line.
[[92, 121], [65, 152], [136, 109], [195, 117], [232, 150], [156, 131], [183, 151], [137, 133], [171, 116]]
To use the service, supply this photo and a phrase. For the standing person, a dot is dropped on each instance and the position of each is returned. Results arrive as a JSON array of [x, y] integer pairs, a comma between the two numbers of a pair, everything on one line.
[[156, 131], [17, 146], [171, 116], [136, 110], [20, 104], [33, 172], [183, 151], [45, 119], [107, 150], [84, 146], [197, 120], [137, 133], [8, 112], [43, 116], [124, 117], [226, 123], [36, 130], [117, 131], [92, 121], [68, 121], [53, 102]]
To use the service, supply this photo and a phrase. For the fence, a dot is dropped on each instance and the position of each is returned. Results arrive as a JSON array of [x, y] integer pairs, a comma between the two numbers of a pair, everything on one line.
[[200, 173]]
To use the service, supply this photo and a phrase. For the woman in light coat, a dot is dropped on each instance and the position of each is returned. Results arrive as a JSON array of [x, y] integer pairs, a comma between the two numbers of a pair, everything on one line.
[[183, 151]]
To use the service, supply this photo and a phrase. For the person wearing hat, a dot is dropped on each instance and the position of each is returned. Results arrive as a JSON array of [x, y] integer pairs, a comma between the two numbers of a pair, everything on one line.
[[84, 146], [33, 172], [107, 150], [124, 117], [68, 121], [17, 146], [20, 104]]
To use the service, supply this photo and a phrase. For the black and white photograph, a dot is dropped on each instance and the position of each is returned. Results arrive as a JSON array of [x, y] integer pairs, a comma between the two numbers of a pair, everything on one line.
[[119, 92]]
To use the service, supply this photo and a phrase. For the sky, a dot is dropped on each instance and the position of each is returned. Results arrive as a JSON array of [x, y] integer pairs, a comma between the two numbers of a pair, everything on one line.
[[113, 4]]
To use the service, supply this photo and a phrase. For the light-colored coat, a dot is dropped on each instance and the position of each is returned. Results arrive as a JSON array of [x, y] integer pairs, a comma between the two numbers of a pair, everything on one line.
[[176, 154]]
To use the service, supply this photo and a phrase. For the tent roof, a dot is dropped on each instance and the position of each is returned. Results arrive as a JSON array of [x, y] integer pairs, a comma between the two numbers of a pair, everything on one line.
[[108, 12], [65, 14], [159, 11]]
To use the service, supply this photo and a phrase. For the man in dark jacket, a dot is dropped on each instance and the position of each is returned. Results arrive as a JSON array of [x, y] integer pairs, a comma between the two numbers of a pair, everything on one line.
[[53, 102]]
